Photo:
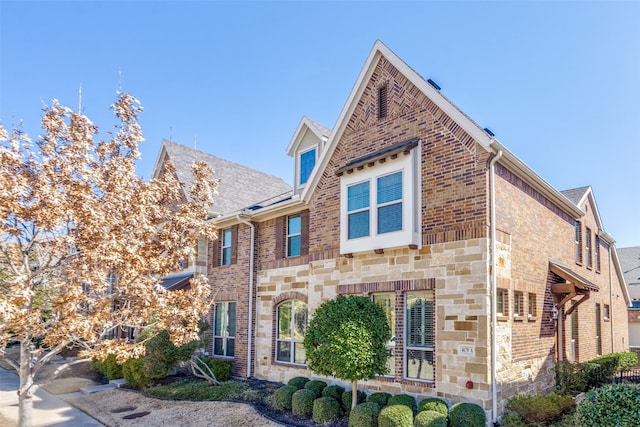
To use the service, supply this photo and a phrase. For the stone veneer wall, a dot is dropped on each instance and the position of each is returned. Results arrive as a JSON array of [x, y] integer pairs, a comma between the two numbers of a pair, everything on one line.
[[458, 272]]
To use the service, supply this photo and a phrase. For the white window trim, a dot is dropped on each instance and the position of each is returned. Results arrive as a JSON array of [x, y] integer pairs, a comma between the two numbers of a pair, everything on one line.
[[292, 340], [299, 168], [405, 350], [411, 205], [292, 234], [225, 337], [223, 247]]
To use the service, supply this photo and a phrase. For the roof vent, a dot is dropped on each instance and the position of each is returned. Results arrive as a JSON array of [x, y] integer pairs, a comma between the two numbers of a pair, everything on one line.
[[434, 84], [488, 131]]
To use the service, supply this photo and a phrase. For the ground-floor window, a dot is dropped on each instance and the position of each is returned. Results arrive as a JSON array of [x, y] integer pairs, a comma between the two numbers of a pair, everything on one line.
[[419, 340], [387, 301], [224, 329], [291, 324]]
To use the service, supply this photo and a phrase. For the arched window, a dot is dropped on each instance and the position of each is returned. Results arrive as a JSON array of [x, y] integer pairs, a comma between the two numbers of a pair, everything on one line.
[[291, 324]]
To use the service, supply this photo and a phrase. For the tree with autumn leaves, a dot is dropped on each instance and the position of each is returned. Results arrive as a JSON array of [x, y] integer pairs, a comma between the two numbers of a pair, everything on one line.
[[85, 242]]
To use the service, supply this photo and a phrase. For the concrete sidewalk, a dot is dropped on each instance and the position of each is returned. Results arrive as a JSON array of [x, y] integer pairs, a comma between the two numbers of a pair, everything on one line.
[[48, 409]]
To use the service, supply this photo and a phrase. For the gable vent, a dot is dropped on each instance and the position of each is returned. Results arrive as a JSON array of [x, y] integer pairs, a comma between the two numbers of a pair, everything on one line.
[[382, 102]]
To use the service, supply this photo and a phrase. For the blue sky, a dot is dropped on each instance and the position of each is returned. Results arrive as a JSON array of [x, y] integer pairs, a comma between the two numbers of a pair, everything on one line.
[[557, 82]]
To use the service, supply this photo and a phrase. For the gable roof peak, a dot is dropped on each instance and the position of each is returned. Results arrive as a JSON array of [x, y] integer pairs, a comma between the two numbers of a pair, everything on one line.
[[576, 195]]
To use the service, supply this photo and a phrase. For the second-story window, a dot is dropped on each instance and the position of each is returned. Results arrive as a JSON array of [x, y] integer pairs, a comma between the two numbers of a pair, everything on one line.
[[578, 241], [226, 247], [587, 247], [294, 228], [596, 248], [307, 163]]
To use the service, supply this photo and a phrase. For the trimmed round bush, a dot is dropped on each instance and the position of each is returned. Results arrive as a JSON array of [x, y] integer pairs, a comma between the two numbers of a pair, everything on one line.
[[434, 404], [334, 391], [610, 405], [133, 373], [346, 399], [302, 402], [464, 414], [404, 399], [430, 418], [298, 382], [395, 416], [380, 397], [326, 409], [364, 415], [281, 398], [316, 386]]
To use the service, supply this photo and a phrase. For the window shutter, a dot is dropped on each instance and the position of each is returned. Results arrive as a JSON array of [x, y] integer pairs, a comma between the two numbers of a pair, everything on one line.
[[215, 250], [304, 233], [234, 244], [280, 236]]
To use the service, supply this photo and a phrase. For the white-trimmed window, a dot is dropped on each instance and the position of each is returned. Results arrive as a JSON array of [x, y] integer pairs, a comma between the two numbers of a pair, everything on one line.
[[387, 301], [225, 253], [578, 241], [294, 234], [224, 329], [501, 302], [532, 305], [588, 248], [419, 340], [291, 324], [307, 163], [380, 205], [518, 304]]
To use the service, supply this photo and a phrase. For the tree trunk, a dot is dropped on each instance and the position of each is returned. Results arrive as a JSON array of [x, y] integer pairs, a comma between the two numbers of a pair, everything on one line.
[[354, 394], [27, 388]]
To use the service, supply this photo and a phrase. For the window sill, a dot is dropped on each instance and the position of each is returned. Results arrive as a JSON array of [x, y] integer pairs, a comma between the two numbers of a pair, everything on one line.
[[532, 319], [606, 319], [518, 318], [289, 364], [502, 318], [219, 356]]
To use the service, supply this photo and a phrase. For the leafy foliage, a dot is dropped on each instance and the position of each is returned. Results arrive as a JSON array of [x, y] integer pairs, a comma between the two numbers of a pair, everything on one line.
[[334, 391], [346, 339], [364, 415], [326, 409], [610, 405], [347, 399], [197, 390], [429, 418], [395, 416], [282, 397], [380, 397], [434, 404], [84, 241], [134, 373], [404, 399], [465, 414], [302, 402], [108, 367], [575, 378], [316, 386], [540, 410], [298, 382], [221, 368]]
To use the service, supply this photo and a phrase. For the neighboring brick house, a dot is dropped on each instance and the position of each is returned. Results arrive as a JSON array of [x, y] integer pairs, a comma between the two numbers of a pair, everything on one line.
[[630, 262], [238, 187], [488, 274]]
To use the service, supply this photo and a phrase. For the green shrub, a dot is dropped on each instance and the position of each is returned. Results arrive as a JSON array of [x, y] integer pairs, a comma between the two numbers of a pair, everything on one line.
[[281, 398], [512, 420], [404, 399], [434, 404], [108, 367], [361, 397], [464, 414], [298, 382], [302, 402], [430, 418], [610, 405], [134, 374], [575, 378], [395, 416], [334, 391], [316, 386], [621, 361], [543, 410], [326, 409], [364, 415], [380, 397], [221, 368]]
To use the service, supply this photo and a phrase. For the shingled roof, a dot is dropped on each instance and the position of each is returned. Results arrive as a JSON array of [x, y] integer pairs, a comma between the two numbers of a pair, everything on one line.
[[239, 187], [575, 194]]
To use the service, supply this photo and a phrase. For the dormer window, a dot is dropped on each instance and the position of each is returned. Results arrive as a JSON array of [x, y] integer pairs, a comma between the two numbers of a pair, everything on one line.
[[307, 162]]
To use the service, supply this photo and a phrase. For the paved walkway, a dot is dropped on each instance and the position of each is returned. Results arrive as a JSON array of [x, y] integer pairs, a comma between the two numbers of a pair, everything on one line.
[[48, 409]]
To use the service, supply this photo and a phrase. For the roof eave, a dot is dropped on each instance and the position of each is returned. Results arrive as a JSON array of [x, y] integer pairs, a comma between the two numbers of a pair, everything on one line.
[[268, 212]]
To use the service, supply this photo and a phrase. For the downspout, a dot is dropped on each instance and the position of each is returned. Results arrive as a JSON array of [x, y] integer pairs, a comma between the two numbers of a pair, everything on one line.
[[494, 291], [250, 327], [611, 298]]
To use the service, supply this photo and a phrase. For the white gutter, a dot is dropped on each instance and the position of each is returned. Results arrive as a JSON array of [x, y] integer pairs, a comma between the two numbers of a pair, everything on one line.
[[611, 298], [494, 291], [250, 327]]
